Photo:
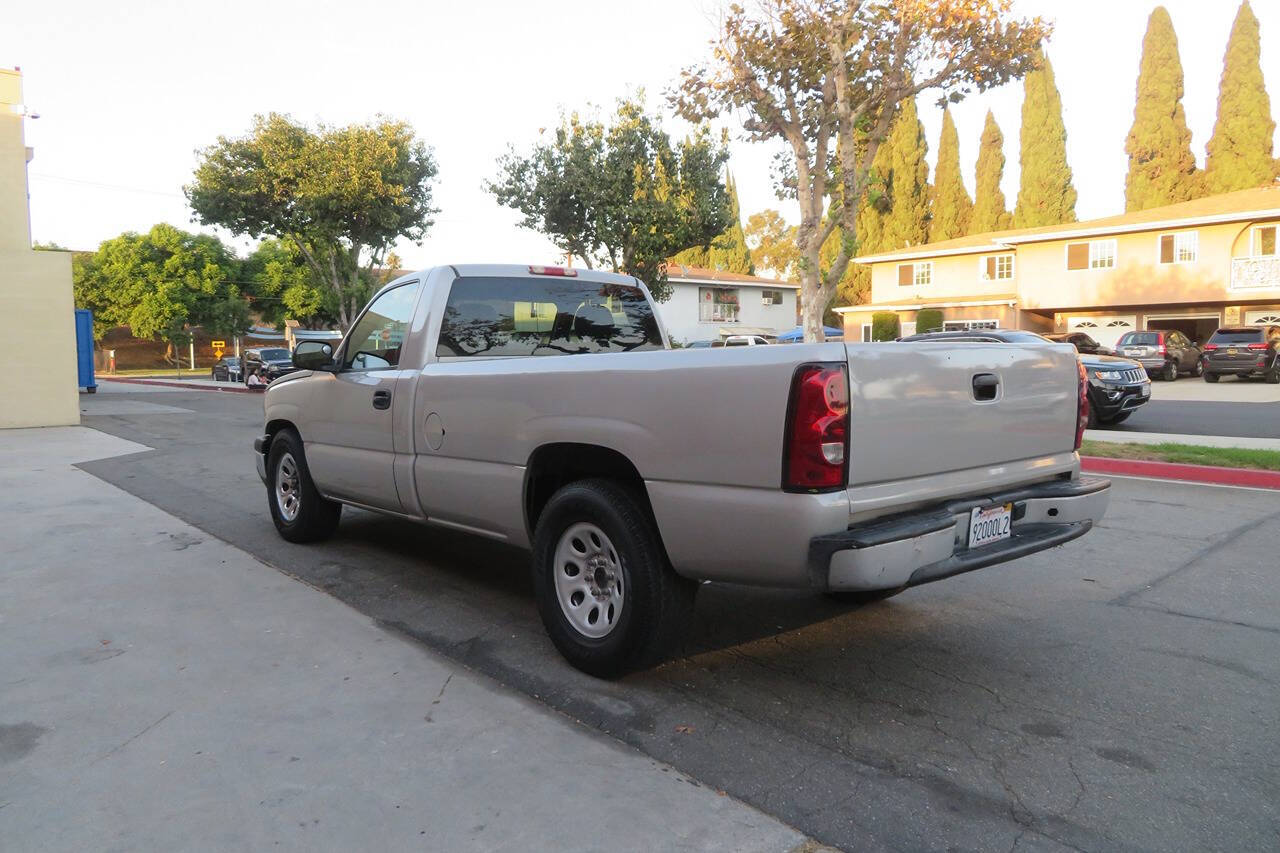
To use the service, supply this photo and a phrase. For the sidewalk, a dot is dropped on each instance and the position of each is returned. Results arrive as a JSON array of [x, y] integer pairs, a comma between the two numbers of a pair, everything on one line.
[[1123, 437], [162, 690], [203, 383]]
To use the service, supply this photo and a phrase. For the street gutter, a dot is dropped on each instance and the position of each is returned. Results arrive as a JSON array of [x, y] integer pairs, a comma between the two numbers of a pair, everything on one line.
[[1253, 478]]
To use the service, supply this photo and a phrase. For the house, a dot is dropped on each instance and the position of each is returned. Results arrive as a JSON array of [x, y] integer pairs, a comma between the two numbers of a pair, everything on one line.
[[709, 304], [1191, 267]]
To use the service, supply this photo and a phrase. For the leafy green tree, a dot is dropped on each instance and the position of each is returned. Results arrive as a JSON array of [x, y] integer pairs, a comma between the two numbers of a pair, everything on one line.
[[728, 250], [907, 221], [1240, 148], [989, 210], [772, 243], [952, 207], [1045, 193], [162, 283], [620, 196], [340, 195], [823, 77], [288, 287], [1162, 169]]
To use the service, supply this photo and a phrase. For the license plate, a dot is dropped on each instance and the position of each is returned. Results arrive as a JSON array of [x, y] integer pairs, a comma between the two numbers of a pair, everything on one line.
[[1144, 391], [1132, 351], [990, 525], [1232, 352]]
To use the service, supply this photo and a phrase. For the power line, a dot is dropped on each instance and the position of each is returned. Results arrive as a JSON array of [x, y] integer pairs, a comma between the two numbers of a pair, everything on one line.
[[103, 186]]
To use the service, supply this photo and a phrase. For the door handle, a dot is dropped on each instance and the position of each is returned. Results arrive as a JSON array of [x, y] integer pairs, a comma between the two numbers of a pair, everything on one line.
[[382, 399], [985, 386]]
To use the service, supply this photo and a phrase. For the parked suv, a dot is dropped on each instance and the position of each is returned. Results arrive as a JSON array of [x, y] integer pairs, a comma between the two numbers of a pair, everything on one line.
[[1117, 386], [1164, 354], [1243, 351], [270, 362], [226, 369]]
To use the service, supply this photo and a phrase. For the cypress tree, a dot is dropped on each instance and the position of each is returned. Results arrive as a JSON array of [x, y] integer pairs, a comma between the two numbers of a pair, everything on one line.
[[952, 207], [907, 222], [1240, 148], [1162, 169], [989, 211], [1045, 193], [729, 251]]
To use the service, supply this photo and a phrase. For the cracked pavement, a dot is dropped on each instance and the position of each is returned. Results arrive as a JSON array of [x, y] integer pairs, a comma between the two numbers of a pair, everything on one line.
[[1119, 692]]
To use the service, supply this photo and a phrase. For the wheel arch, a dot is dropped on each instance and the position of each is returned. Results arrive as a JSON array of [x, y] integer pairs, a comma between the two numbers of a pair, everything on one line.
[[552, 466]]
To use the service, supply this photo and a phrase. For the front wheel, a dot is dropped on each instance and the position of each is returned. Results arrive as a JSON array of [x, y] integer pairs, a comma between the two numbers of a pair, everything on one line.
[[1210, 377], [1199, 368], [300, 513], [608, 596], [1170, 371], [1273, 375]]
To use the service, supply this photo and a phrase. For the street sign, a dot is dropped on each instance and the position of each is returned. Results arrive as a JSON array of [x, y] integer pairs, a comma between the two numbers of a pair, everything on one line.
[[218, 347]]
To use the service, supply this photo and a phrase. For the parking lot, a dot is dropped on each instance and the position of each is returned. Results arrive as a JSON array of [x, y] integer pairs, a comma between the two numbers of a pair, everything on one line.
[[1119, 692]]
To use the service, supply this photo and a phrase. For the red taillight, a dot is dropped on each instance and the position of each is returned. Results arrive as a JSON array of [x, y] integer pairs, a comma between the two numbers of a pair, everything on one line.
[[1258, 346], [1082, 405], [1160, 341], [562, 271], [816, 443], [1210, 347]]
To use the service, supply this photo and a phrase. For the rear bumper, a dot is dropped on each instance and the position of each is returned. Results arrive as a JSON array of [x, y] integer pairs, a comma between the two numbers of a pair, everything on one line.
[[932, 543]]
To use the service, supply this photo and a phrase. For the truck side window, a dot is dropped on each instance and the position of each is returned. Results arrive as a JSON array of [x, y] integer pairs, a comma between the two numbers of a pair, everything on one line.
[[503, 317], [375, 340]]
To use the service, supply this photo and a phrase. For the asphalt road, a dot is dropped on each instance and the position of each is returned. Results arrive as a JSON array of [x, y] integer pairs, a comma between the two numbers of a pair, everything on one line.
[[1117, 693], [1196, 417]]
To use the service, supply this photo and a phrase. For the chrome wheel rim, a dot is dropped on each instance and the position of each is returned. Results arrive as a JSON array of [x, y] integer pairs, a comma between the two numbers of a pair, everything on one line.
[[588, 580], [288, 495]]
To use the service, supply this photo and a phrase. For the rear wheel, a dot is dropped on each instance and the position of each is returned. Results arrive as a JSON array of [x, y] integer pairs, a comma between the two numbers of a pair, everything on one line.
[[1170, 371], [1210, 377], [1199, 368], [299, 512], [607, 594], [1273, 375]]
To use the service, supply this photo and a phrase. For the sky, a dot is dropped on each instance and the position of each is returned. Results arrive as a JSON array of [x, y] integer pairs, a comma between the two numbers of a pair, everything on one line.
[[127, 91]]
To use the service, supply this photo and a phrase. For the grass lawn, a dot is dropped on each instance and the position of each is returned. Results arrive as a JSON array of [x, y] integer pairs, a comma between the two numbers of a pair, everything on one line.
[[1191, 454]]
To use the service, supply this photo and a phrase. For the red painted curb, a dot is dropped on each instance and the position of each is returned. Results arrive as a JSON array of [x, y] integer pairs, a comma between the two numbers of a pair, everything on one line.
[[231, 387], [1251, 477]]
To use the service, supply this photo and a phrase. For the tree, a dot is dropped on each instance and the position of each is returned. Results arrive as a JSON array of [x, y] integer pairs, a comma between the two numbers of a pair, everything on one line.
[[288, 287], [989, 210], [728, 250], [824, 77], [1045, 193], [772, 243], [162, 283], [620, 196], [907, 221], [952, 207], [928, 320], [1162, 169], [1240, 148], [341, 196]]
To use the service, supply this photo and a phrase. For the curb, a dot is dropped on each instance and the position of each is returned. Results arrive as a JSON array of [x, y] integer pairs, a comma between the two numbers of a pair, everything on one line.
[[232, 388], [1253, 478]]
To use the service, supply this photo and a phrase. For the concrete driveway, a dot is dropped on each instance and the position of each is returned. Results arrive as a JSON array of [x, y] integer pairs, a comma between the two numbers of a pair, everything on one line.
[[1122, 692]]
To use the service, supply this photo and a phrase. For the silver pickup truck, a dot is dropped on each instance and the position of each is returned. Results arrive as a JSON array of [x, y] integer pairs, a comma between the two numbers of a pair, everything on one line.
[[543, 407]]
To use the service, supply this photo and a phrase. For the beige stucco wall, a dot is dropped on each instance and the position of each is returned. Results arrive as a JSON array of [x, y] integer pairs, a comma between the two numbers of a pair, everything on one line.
[[37, 312], [1138, 278], [954, 277]]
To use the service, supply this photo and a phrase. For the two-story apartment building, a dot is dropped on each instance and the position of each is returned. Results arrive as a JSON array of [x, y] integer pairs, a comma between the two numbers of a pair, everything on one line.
[[709, 304], [1192, 266]]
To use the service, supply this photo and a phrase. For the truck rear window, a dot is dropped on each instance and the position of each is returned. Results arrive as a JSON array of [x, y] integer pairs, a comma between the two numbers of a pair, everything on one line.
[[492, 316]]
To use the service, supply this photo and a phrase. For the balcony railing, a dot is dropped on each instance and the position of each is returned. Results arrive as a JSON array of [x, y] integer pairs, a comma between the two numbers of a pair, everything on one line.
[[1255, 273]]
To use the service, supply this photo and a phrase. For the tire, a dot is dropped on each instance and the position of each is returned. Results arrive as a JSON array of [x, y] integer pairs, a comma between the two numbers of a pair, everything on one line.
[[1273, 375], [1210, 377], [864, 596], [632, 578], [1170, 371], [309, 517], [1199, 369], [1117, 419]]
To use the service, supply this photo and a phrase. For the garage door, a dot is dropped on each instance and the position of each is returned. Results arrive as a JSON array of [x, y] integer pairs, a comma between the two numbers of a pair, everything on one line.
[[1105, 330], [1262, 318]]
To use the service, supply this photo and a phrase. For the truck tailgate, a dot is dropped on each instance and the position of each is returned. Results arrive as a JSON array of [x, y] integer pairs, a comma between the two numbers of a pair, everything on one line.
[[915, 411]]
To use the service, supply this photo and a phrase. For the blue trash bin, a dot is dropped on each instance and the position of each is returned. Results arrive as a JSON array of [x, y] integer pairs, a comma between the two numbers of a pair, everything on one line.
[[84, 350]]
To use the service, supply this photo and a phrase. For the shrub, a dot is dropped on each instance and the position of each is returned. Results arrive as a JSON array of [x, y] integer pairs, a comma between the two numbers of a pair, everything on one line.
[[885, 326], [928, 320]]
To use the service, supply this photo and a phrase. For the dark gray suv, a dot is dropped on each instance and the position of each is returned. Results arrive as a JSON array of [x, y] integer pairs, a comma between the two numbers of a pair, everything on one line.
[[1243, 351]]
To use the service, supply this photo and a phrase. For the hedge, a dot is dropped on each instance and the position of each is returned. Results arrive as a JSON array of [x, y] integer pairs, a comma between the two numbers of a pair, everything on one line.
[[928, 320], [885, 326]]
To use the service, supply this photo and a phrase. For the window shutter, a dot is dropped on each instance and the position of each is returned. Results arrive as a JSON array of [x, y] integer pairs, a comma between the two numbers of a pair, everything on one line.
[[991, 269], [906, 275], [1077, 256], [1166, 249]]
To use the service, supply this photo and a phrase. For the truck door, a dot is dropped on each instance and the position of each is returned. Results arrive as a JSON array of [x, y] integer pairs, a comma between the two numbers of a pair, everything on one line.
[[349, 440]]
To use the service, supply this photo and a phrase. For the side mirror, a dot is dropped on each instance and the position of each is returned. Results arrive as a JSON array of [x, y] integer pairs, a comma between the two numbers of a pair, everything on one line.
[[312, 355]]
